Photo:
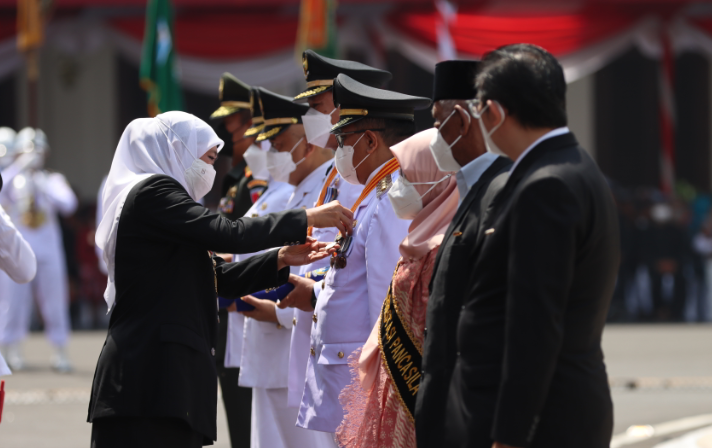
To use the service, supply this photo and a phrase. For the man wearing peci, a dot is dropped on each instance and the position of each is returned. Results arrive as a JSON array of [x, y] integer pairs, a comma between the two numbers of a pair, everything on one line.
[[459, 147], [529, 369]]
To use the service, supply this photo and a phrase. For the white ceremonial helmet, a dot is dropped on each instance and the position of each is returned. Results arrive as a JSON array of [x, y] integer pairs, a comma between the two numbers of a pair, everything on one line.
[[32, 141], [7, 146]]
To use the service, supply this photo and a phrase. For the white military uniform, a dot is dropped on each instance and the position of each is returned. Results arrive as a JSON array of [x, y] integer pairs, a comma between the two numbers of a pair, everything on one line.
[[274, 199], [265, 355], [16, 259], [348, 306], [301, 330], [51, 194]]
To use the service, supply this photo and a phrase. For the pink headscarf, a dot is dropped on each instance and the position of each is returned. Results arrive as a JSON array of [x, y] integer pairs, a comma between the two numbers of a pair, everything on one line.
[[428, 228]]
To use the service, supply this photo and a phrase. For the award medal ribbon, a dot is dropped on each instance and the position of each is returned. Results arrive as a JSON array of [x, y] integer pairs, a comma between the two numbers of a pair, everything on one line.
[[401, 353], [322, 196], [338, 259]]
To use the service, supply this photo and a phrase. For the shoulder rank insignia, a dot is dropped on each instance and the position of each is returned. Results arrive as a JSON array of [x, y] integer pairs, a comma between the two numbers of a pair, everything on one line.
[[383, 186], [256, 183]]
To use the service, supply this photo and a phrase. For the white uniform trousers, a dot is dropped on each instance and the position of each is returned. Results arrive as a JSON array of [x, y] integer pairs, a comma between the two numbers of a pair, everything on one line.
[[273, 423], [49, 288]]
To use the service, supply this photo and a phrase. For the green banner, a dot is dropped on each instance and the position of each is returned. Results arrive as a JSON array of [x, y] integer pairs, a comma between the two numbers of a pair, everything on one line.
[[157, 75]]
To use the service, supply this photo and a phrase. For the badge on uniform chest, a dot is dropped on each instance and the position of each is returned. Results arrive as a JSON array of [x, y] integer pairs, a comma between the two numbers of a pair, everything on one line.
[[227, 203]]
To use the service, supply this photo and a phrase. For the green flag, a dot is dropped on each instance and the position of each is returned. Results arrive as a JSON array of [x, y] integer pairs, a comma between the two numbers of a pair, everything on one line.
[[158, 74]]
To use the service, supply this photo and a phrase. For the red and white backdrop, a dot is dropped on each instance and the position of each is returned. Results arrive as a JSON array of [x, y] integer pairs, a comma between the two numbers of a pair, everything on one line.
[[259, 47]]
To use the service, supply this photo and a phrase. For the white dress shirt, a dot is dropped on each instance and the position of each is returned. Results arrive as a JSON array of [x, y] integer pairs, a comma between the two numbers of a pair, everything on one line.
[[471, 173], [553, 133]]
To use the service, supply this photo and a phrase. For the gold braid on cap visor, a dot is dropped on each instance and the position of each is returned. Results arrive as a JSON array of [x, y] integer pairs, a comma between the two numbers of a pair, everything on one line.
[[312, 92]]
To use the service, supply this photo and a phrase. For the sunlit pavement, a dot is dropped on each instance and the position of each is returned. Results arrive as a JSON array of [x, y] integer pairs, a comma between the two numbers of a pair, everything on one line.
[[661, 379]]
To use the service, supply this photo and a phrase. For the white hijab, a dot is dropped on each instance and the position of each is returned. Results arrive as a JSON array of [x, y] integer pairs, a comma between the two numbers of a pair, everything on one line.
[[167, 144]]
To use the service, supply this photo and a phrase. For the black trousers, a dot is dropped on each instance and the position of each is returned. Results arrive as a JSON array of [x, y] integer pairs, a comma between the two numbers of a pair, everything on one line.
[[143, 432], [237, 400]]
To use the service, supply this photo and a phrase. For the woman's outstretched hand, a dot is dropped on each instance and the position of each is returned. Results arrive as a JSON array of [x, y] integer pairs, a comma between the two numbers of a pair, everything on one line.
[[332, 214], [307, 253]]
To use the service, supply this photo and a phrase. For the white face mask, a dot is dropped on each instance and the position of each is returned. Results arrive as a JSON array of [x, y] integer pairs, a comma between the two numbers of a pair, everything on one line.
[[200, 177], [256, 159], [489, 143], [317, 127], [280, 164], [442, 151], [405, 199], [344, 161]]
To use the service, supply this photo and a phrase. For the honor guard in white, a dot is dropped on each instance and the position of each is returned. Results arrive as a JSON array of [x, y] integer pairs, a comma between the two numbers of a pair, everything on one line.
[[349, 299], [319, 72], [33, 198], [16, 257], [238, 118], [265, 348]]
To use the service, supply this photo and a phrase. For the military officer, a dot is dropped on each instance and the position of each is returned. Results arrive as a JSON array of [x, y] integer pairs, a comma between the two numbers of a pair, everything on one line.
[[349, 302], [320, 72], [267, 332], [232, 119], [235, 115]]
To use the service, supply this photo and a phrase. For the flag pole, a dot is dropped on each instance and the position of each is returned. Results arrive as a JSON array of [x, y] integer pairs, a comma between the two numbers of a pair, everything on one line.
[[30, 37]]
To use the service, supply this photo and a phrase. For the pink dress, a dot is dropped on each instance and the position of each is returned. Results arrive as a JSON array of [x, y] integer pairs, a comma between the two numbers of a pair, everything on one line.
[[374, 416]]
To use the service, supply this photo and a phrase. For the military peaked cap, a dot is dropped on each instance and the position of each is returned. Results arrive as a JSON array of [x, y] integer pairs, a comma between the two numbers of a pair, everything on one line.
[[320, 72], [359, 101], [455, 80], [258, 120], [234, 96], [279, 113]]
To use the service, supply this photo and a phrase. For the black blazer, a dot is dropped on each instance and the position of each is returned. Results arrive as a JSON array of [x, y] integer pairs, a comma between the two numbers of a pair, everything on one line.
[[529, 369], [450, 279], [157, 360]]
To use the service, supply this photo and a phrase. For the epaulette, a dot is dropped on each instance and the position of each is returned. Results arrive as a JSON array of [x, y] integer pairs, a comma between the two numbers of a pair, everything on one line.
[[254, 183], [383, 186]]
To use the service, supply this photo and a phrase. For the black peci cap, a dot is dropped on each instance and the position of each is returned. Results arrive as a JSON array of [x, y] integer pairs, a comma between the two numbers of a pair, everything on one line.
[[258, 120], [455, 80], [234, 96], [320, 72], [359, 101], [279, 112]]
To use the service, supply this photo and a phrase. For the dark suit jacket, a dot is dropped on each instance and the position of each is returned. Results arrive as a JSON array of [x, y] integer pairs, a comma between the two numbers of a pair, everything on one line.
[[157, 360], [451, 278], [529, 369]]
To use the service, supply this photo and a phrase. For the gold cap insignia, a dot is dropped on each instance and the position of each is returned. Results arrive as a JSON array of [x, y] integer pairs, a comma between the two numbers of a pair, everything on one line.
[[220, 89], [305, 65]]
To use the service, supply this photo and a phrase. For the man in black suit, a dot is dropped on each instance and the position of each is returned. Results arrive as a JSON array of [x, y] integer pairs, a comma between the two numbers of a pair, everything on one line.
[[458, 147], [529, 369]]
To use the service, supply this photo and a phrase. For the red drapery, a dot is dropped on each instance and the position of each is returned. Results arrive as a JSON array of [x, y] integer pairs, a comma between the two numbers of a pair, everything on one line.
[[476, 33], [224, 36]]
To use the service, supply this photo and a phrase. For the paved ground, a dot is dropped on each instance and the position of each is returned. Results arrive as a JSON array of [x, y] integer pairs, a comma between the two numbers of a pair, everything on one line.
[[670, 365]]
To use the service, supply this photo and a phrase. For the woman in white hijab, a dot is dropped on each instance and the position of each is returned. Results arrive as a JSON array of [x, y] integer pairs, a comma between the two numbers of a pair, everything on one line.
[[155, 382]]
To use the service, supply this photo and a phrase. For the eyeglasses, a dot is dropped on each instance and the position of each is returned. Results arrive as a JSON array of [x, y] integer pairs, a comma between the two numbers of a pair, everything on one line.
[[340, 136]]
